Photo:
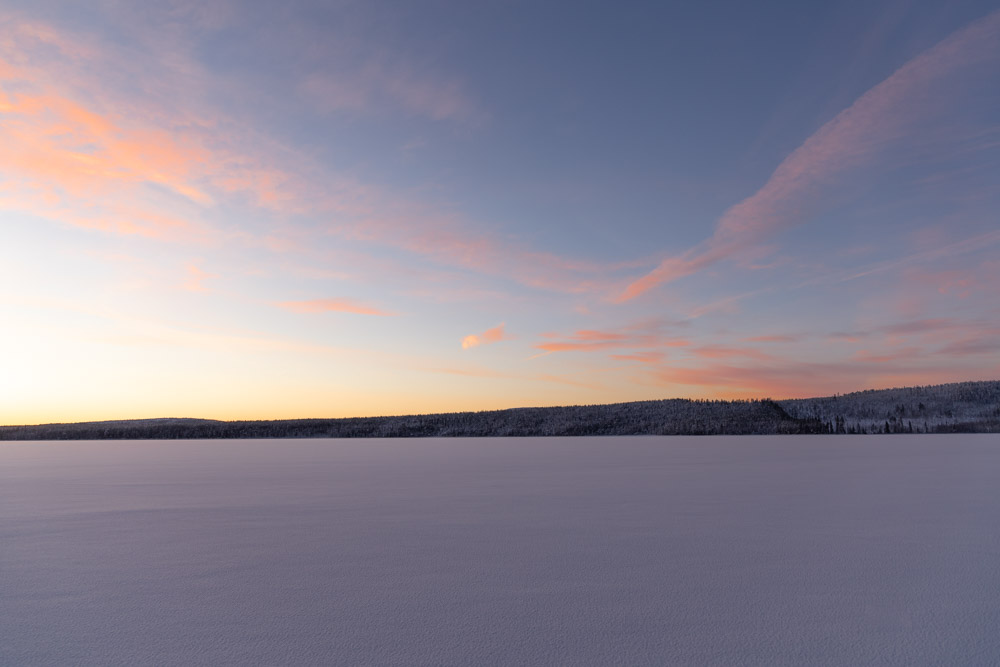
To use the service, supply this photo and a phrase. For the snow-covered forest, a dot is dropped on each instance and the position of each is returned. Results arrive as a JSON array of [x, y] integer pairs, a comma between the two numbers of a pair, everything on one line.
[[946, 408], [962, 407]]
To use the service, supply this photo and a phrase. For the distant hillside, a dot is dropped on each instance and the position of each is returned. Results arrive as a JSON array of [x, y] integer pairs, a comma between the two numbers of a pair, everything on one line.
[[947, 408], [961, 407]]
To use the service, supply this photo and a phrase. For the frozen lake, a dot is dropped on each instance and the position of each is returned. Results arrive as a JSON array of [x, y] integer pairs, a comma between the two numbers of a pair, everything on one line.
[[786, 550]]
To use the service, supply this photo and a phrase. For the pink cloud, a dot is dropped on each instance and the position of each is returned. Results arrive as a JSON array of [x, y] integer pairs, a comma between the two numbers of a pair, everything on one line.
[[960, 282], [331, 305], [927, 332], [847, 336], [793, 379], [654, 358], [66, 149], [771, 339], [921, 326], [67, 158], [728, 352], [171, 161], [976, 344], [196, 278], [903, 354], [948, 251], [639, 335], [448, 239], [494, 335], [379, 85], [894, 110]]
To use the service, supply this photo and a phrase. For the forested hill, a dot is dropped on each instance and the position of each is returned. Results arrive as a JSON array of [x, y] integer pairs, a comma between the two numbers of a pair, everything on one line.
[[962, 407]]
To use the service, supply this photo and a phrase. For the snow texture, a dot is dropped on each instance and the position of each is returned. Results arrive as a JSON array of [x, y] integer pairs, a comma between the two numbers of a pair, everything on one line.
[[789, 550]]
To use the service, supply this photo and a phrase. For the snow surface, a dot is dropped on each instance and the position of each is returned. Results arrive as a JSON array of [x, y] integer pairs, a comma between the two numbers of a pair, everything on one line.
[[590, 551]]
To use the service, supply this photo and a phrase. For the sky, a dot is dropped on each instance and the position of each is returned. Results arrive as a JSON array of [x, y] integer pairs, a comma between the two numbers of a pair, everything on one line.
[[259, 210]]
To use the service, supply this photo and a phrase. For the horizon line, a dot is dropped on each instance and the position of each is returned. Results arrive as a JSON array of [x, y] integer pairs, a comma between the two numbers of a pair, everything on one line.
[[522, 407]]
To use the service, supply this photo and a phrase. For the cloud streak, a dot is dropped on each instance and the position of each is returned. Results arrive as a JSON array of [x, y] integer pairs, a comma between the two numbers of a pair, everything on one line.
[[332, 306], [71, 140], [791, 379], [377, 86], [488, 337], [902, 107], [648, 335], [196, 277]]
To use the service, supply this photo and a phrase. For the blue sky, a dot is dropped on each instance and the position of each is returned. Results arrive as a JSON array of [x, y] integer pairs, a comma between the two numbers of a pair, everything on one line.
[[246, 210]]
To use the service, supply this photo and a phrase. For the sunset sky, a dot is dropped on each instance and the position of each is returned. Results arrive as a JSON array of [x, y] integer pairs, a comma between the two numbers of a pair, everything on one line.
[[260, 210]]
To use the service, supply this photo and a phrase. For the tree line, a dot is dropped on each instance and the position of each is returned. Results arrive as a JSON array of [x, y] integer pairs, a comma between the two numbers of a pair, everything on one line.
[[961, 407]]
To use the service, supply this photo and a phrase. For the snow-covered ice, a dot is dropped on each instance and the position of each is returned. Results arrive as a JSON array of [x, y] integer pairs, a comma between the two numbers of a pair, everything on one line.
[[592, 551]]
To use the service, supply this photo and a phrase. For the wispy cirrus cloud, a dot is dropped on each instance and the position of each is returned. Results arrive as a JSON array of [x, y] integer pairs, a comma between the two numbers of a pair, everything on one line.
[[332, 306], [494, 335], [933, 327], [941, 348], [71, 139], [196, 277], [378, 85], [777, 338], [921, 326], [84, 154], [646, 334], [980, 343], [728, 352], [946, 251], [901, 354], [649, 357], [899, 113], [800, 379]]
